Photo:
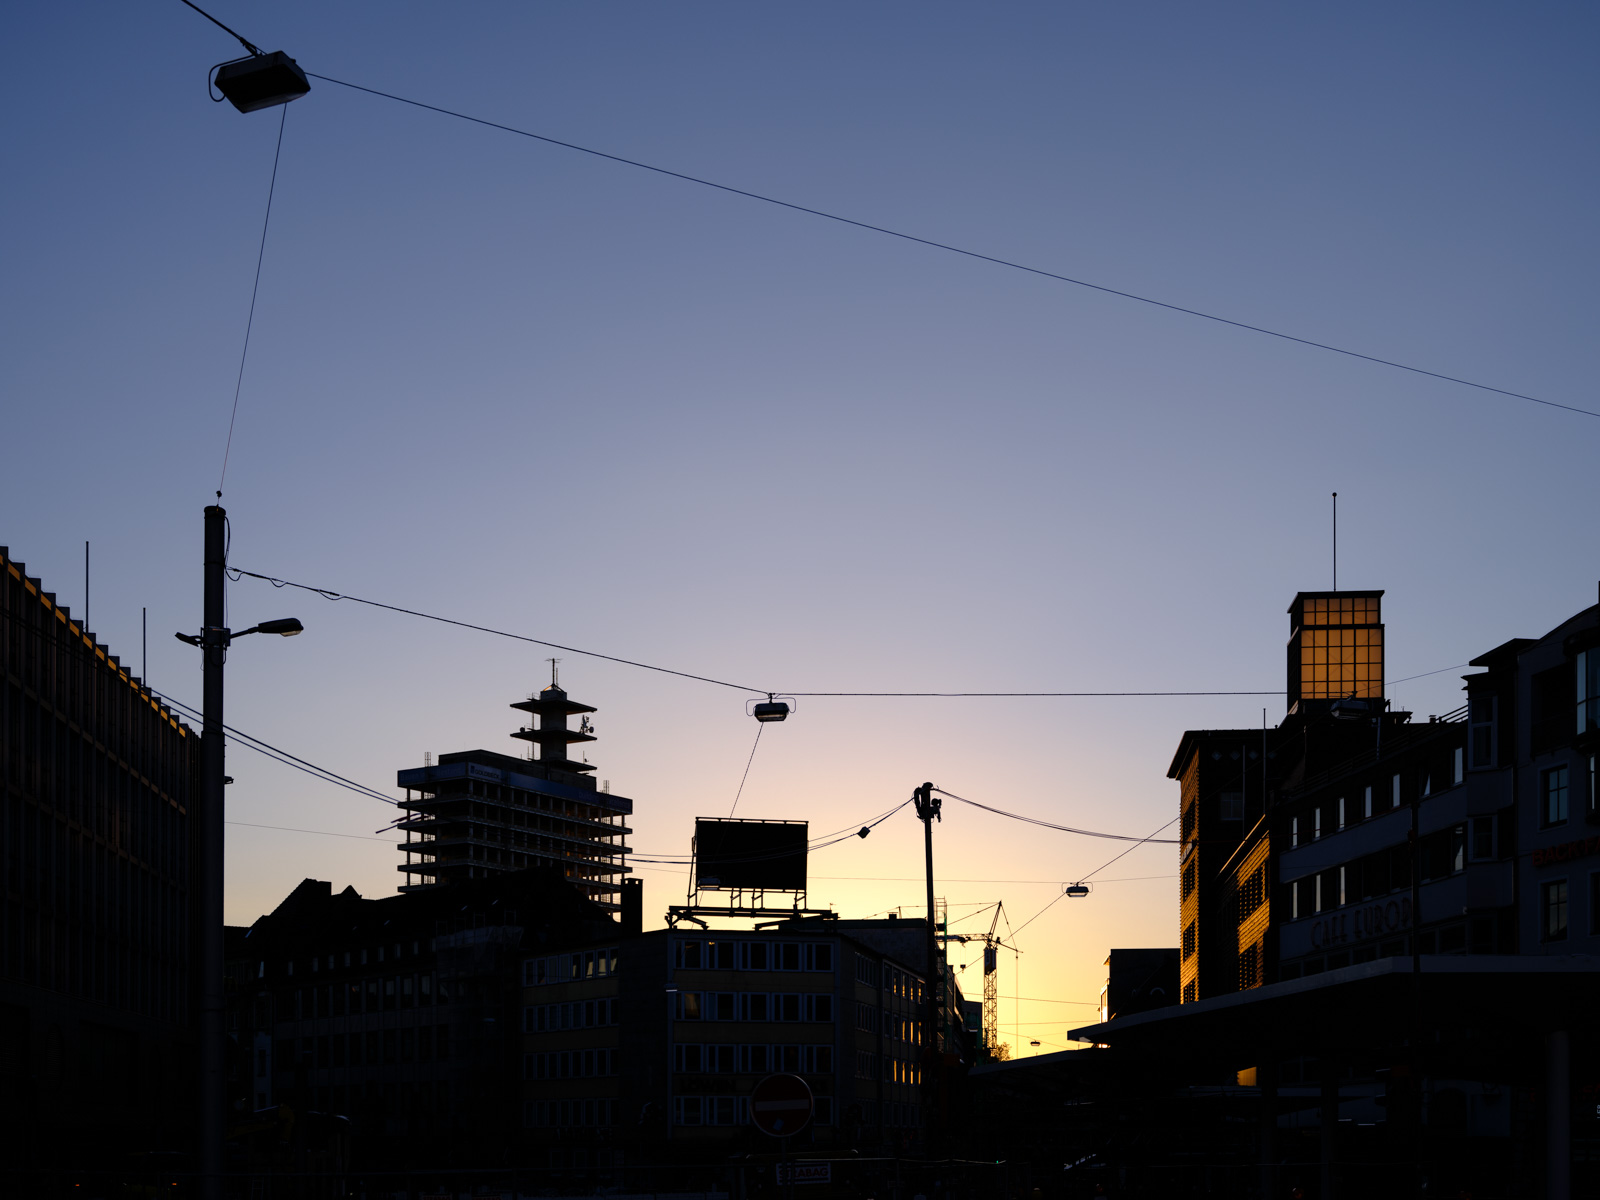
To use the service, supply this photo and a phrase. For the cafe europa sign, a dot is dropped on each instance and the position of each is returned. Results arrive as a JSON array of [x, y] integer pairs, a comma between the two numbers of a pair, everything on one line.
[[1359, 923]]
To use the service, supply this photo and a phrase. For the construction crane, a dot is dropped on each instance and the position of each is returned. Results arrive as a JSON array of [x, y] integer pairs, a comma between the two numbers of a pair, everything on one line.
[[991, 992]]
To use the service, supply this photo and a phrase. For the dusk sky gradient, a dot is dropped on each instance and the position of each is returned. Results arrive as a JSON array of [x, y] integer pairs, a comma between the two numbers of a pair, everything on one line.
[[527, 388]]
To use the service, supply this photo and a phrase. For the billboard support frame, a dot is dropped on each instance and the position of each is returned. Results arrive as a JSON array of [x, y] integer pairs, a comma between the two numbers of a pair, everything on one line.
[[746, 897]]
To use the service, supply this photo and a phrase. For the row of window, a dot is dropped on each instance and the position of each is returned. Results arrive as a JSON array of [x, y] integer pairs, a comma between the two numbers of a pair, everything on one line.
[[695, 954], [734, 1110], [579, 1014], [887, 1068], [695, 1058], [753, 1006], [352, 958], [1439, 856], [374, 1047], [568, 1114], [569, 968], [570, 1064], [1337, 814], [371, 995]]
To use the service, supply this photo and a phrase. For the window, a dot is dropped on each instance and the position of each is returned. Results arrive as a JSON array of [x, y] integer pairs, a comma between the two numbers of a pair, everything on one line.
[[1482, 839], [1460, 764], [819, 957], [1394, 794], [1588, 690], [1189, 940], [1554, 910], [1341, 812], [1317, 902], [1366, 803], [1294, 900], [1231, 806], [1188, 881], [1294, 831], [1316, 823], [1553, 788], [1342, 899], [1480, 730], [1594, 902]]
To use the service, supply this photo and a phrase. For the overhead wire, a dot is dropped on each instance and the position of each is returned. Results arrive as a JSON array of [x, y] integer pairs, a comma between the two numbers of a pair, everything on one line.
[[760, 725], [255, 287], [281, 755], [1116, 837], [952, 249], [237, 573]]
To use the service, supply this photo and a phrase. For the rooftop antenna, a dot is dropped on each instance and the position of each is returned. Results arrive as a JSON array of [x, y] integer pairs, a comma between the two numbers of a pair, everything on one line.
[[1336, 541], [555, 672]]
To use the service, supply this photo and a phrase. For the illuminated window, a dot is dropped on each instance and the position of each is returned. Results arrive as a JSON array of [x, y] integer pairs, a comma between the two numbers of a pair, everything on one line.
[[1335, 648]]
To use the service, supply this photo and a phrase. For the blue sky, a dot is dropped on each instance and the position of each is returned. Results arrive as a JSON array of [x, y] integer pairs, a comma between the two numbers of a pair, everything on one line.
[[524, 387]]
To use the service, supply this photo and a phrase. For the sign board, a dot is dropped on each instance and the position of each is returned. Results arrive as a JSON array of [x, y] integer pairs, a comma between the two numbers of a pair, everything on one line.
[[758, 855], [804, 1172], [780, 1105]]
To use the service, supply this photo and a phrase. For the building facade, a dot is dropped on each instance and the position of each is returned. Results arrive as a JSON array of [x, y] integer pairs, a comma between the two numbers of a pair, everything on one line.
[[97, 1031], [399, 1013], [477, 813], [648, 1047]]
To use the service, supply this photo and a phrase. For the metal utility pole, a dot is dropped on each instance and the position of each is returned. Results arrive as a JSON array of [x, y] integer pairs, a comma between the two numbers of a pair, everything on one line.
[[213, 640], [928, 806], [213, 1029]]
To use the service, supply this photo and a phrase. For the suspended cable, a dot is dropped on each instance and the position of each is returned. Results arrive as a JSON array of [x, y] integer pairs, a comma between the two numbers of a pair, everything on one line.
[[255, 287], [760, 725], [945, 246], [250, 46], [1116, 837], [329, 594], [283, 756], [362, 837]]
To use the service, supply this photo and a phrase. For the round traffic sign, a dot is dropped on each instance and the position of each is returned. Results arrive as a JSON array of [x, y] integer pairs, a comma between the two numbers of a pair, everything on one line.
[[781, 1105]]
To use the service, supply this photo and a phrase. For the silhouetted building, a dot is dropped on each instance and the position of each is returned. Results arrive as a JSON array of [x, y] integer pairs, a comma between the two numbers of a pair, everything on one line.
[[476, 813], [1391, 929], [401, 1013], [96, 929], [651, 1045], [1139, 980]]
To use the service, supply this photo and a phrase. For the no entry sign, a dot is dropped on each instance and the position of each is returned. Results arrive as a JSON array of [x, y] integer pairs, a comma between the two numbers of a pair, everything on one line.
[[781, 1105]]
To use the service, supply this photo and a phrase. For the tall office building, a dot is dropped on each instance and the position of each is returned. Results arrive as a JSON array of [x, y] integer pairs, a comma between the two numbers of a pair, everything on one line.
[[477, 813], [96, 918]]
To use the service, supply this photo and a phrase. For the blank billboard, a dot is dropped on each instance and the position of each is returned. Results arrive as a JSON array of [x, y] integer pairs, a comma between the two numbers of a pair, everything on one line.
[[750, 854]]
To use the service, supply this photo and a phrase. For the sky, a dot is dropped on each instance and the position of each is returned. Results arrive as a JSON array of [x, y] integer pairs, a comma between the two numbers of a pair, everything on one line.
[[516, 385]]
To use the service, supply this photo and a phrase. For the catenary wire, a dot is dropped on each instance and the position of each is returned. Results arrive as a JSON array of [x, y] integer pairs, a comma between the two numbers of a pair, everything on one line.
[[760, 725], [1116, 837], [283, 756], [250, 46], [947, 247], [361, 837], [329, 594], [255, 287]]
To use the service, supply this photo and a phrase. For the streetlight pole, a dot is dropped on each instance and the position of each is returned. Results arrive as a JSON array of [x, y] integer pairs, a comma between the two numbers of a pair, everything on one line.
[[213, 641], [213, 1031]]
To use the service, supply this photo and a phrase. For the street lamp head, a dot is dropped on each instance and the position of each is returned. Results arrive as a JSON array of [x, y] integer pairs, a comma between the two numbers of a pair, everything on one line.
[[287, 627], [261, 81]]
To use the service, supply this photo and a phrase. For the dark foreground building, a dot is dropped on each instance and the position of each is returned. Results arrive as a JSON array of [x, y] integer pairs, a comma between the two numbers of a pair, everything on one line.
[[1390, 934], [401, 1014], [97, 1038]]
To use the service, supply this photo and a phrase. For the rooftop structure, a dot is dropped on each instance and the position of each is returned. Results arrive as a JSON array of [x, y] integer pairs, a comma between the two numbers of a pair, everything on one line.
[[476, 813]]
